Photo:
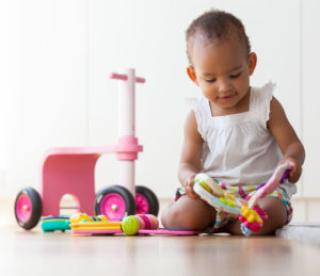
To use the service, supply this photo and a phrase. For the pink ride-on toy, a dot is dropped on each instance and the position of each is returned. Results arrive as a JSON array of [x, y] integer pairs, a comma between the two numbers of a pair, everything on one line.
[[71, 171]]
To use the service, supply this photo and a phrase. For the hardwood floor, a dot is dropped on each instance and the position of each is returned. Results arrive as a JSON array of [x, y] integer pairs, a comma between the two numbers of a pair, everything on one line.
[[35, 253]]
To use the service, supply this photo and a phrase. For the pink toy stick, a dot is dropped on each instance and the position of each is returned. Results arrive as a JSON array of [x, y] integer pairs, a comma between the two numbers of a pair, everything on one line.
[[123, 77], [271, 185]]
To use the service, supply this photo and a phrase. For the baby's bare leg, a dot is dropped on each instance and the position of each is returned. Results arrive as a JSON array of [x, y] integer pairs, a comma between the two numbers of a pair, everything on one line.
[[188, 213], [277, 217]]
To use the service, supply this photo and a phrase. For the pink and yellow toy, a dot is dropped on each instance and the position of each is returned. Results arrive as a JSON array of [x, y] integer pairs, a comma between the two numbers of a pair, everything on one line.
[[72, 171], [140, 224], [248, 212], [81, 223]]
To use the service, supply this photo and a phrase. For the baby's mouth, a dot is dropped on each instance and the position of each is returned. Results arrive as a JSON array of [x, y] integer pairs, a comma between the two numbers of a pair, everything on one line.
[[226, 97]]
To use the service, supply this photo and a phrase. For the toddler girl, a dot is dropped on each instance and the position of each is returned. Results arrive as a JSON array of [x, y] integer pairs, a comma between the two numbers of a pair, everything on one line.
[[235, 133]]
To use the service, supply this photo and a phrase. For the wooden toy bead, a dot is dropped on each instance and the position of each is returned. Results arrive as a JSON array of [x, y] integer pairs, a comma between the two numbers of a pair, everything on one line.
[[148, 221], [130, 225]]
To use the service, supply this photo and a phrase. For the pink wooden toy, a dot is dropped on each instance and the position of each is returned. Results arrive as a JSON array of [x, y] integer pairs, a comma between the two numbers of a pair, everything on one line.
[[72, 171]]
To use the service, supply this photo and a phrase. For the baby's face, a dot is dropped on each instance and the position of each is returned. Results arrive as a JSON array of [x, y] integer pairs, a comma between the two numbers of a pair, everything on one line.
[[222, 70]]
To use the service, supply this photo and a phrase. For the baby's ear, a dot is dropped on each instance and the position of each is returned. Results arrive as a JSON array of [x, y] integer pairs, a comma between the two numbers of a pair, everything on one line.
[[192, 74], [252, 62]]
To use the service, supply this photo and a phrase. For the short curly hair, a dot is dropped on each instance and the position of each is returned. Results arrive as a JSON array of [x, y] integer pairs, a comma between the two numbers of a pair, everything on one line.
[[216, 24]]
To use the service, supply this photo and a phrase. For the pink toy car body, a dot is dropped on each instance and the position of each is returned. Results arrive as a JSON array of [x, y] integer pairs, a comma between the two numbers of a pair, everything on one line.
[[72, 171]]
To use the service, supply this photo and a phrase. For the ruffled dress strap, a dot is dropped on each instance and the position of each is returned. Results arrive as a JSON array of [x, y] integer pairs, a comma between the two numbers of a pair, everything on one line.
[[202, 113], [261, 102]]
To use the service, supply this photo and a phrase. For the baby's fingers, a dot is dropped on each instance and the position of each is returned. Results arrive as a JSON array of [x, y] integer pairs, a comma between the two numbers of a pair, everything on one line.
[[294, 174], [190, 192]]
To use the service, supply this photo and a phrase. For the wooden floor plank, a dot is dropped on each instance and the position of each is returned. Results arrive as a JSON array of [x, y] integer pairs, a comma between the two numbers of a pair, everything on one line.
[[35, 253]]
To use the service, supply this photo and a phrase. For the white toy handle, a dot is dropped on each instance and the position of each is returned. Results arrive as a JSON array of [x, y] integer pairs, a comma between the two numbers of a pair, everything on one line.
[[126, 100]]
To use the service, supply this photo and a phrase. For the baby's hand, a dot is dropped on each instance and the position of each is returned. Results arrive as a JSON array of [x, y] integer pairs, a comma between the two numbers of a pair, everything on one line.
[[295, 170], [189, 187]]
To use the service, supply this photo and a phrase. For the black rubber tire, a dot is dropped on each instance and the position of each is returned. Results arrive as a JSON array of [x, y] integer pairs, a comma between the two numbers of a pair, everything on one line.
[[151, 198], [123, 192], [36, 208]]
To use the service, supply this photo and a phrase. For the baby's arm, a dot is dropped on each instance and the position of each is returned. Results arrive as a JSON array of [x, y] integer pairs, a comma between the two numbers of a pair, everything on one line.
[[190, 162], [289, 143]]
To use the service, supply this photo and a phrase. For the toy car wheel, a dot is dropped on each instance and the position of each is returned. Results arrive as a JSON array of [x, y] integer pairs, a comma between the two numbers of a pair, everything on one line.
[[146, 201], [115, 203], [28, 208]]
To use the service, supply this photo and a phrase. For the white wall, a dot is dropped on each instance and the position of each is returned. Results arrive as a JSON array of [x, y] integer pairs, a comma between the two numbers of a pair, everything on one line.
[[46, 83], [311, 111], [57, 55]]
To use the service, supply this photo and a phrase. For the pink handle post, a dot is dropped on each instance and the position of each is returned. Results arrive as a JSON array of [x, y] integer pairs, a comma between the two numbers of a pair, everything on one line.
[[117, 76]]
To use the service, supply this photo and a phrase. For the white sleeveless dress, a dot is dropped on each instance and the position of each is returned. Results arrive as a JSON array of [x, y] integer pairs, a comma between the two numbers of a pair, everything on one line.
[[238, 148]]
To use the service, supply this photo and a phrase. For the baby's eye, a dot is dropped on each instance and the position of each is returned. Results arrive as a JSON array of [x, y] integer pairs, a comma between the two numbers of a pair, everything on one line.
[[210, 80], [234, 76]]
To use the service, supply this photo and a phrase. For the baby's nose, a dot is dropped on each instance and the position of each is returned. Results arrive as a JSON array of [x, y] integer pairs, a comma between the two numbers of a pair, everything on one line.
[[224, 85]]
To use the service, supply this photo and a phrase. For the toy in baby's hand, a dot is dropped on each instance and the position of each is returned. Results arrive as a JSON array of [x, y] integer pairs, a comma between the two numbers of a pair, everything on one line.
[[249, 213]]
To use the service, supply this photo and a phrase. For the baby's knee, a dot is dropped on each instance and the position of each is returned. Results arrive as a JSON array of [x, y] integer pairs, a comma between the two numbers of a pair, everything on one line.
[[275, 209], [178, 218], [174, 217], [277, 215]]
